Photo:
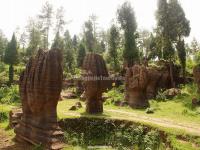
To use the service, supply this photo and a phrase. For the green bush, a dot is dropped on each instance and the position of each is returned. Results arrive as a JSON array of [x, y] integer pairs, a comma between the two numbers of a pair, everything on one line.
[[114, 95], [9, 95], [117, 134], [3, 116], [161, 96]]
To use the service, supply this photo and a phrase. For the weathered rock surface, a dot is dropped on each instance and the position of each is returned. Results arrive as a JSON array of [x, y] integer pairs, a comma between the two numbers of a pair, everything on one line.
[[196, 74], [15, 117], [136, 84], [40, 86], [94, 82], [170, 93]]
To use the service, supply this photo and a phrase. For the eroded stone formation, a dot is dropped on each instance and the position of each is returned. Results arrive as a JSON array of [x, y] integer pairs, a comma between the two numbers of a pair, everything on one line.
[[142, 83], [196, 74], [94, 82], [136, 84], [40, 86], [15, 117]]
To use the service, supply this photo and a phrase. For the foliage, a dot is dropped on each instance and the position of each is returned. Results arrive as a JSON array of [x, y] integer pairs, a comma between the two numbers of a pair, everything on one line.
[[114, 95], [81, 55], [197, 58], [3, 44], [34, 37], [58, 43], [113, 46], [69, 55], [9, 95], [11, 55], [89, 132], [89, 36], [161, 96], [182, 55], [46, 19], [3, 116], [126, 18]]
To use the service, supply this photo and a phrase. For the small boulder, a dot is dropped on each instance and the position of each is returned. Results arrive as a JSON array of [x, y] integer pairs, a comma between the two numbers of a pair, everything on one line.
[[14, 117], [170, 93], [78, 105]]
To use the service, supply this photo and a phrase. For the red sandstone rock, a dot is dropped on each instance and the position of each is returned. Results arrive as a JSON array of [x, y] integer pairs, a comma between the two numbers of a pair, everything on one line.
[[15, 117], [136, 84], [40, 86], [196, 74], [94, 82]]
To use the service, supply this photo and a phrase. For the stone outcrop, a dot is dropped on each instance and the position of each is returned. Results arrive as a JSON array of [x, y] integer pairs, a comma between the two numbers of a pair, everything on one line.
[[142, 83], [196, 74], [136, 85], [40, 86], [14, 117], [154, 78], [94, 82]]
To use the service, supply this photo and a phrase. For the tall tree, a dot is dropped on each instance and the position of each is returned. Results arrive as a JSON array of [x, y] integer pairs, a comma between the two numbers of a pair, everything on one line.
[[11, 57], [68, 52], [22, 41], [60, 21], [75, 43], [173, 26], [89, 36], [180, 28], [3, 44], [34, 37], [58, 43], [195, 46], [113, 46], [81, 54], [46, 18], [182, 55], [126, 18]]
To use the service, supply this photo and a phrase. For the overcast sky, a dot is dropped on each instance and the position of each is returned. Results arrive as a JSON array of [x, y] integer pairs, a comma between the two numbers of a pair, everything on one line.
[[15, 13]]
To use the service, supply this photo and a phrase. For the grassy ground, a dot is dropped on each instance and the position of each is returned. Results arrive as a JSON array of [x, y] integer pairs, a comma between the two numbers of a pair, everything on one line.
[[165, 113]]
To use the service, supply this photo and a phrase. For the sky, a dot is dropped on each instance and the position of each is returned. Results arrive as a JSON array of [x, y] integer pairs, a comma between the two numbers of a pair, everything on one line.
[[16, 13]]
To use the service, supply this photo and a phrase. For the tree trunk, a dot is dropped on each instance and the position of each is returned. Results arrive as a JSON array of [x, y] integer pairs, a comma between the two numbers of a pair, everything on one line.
[[11, 73], [171, 74]]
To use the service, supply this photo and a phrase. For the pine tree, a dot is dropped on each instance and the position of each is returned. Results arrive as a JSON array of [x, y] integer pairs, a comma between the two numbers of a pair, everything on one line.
[[89, 36], [3, 44], [113, 46], [58, 43], [81, 55], [126, 18], [46, 19], [68, 52], [11, 57], [34, 37], [182, 55]]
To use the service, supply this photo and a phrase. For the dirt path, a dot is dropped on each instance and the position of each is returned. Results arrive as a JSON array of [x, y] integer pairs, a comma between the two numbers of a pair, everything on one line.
[[191, 128], [7, 143]]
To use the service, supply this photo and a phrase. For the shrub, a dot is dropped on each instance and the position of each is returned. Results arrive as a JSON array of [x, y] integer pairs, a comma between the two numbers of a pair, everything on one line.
[[118, 134], [114, 95], [3, 116], [9, 95], [161, 96]]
